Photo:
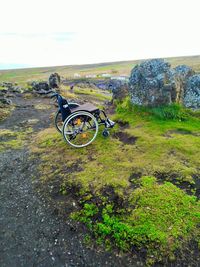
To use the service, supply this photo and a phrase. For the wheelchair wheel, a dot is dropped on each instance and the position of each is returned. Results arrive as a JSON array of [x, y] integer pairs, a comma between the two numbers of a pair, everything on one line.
[[80, 129], [105, 133], [58, 121], [58, 117]]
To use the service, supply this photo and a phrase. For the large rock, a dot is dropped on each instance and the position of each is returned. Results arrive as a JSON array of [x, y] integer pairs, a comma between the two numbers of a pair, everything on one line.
[[54, 80], [41, 88], [37, 86], [151, 83], [154, 83], [192, 92]]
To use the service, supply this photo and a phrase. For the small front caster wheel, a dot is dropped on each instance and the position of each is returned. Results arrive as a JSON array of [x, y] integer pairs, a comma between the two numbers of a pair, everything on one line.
[[105, 133]]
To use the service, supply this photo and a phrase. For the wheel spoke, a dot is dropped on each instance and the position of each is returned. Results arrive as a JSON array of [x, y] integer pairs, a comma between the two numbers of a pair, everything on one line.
[[80, 129]]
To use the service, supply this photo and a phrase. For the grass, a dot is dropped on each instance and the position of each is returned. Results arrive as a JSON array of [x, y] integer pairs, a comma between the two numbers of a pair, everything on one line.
[[153, 213], [96, 96], [5, 111], [99, 94], [41, 106]]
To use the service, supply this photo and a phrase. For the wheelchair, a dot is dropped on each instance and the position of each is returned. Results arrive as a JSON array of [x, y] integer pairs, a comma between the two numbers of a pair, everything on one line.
[[79, 124]]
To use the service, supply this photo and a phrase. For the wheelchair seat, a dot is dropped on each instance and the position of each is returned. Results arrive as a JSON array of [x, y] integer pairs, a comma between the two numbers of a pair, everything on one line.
[[85, 107]]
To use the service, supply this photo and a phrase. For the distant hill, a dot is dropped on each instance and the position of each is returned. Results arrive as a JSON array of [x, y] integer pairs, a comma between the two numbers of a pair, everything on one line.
[[69, 71]]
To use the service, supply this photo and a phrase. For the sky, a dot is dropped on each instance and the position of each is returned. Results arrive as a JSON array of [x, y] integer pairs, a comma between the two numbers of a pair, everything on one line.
[[36, 33]]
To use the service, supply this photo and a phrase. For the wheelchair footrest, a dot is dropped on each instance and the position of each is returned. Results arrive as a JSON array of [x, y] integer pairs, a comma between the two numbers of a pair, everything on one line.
[[109, 123]]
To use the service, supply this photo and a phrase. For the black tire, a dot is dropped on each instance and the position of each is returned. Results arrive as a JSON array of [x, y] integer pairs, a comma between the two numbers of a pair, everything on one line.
[[58, 121], [105, 133]]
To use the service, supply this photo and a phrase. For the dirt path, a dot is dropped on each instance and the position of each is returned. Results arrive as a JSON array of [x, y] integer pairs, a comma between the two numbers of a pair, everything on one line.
[[31, 233]]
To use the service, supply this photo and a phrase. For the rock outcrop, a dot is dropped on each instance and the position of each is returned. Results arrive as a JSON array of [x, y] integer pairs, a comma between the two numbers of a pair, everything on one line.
[[54, 80], [41, 88], [154, 83], [10, 87], [151, 83], [37, 86]]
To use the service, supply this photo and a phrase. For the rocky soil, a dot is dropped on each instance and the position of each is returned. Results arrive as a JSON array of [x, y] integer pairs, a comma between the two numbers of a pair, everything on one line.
[[31, 231]]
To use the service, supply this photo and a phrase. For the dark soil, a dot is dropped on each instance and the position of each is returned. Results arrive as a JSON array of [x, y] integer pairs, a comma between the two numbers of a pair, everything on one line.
[[125, 138], [176, 179], [122, 124], [181, 131]]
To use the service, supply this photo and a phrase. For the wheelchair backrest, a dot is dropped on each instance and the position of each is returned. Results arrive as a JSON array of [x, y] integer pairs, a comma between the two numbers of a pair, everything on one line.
[[64, 107]]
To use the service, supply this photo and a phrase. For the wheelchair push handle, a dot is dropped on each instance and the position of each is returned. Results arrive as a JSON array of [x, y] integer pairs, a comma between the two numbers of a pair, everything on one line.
[[54, 95]]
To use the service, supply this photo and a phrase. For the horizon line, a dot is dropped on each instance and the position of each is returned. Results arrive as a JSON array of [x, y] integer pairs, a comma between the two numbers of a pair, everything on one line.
[[86, 64]]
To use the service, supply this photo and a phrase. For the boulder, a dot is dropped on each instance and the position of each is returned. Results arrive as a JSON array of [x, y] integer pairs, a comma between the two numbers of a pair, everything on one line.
[[54, 80], [192, 92], [41, 88], [155, 83], [37, 86]]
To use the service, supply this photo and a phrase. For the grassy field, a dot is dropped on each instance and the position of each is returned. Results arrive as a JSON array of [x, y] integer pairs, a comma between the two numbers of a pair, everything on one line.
[[22, 76]]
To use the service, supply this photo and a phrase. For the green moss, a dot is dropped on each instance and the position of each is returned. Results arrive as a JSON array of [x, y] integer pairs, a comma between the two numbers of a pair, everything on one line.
[[98, 94], [160, 217], [5, 111], [13, 139]]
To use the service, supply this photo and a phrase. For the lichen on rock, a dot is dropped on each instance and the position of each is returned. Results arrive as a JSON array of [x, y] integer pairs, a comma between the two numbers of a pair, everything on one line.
[[151, 83], [155, 83], [192, 92]]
